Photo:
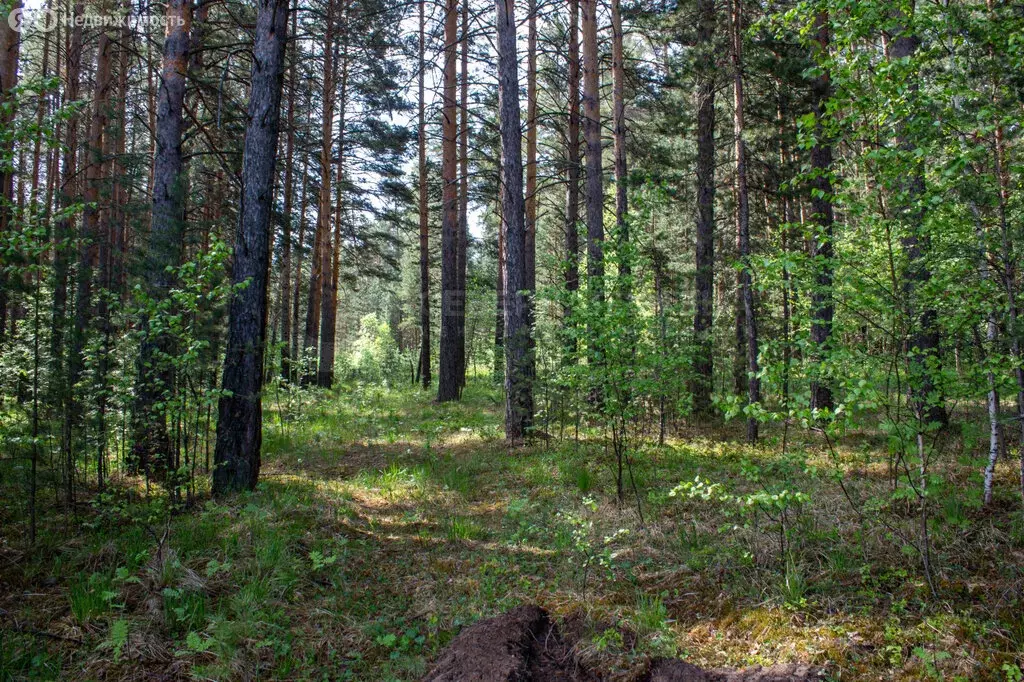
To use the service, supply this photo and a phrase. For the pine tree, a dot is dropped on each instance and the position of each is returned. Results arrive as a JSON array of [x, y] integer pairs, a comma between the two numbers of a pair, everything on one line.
[[240, 414]]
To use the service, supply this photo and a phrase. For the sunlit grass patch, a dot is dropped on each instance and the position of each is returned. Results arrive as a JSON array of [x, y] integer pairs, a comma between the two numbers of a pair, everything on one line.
[[461, 528], [385, 523]]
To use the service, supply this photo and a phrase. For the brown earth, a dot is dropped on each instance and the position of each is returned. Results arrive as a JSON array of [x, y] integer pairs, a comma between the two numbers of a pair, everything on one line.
[[524, 645]]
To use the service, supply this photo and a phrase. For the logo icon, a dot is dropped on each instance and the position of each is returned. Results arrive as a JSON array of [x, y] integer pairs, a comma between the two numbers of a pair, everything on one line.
[[14, 19], [44, 20]]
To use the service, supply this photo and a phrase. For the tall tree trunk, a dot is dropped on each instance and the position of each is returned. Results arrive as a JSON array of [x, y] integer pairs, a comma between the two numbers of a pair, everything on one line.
[[320, 262], [69, 174], [447, 379], [88, 249], [531, 152], [463, 251], [424, 364], [786, 201], [10, 47], [704, 281], [286, 237], [619, 136], [743, 221], [822, 251], [61, 261], [592, 137], [329, 317], [164, 250], [120, 190], [300, 252], [42, 106], [572, 170], [923, 344], [107, 236], [499, 320], [518, 356], [240, 413]]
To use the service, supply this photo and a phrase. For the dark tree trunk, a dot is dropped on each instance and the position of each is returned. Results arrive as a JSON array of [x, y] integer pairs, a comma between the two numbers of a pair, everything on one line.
[[296, 296], [88, 250], [572, 170], [152, 446], [592, 137], [619, 136], [743, 223], [320, 262], [704, 281], [10, 47], [463, 199], [822, 251], [286, 237], [518, 356], [499, 320], [68, 196], [424, 364], [329, 318], [240, 413], [785, 200], [447, 372], [120, 194], [531, 152]]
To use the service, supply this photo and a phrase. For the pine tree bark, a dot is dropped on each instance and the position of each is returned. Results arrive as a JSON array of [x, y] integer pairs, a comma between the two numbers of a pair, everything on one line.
[[151, 448], [297, 294], [240, 414], [592, 138], [743, 222], [68, 194], [88, 250], [619, 137], [424, 365], [61, 260], [42, 106], [786, 202], [572, 170], [463, 251], [286, 237], [10, 48], [329, 316], [531, 152], [447, 372], [822, 250], [518, 356], [499, 320], [120, 191], [704, 281], [320, 262]]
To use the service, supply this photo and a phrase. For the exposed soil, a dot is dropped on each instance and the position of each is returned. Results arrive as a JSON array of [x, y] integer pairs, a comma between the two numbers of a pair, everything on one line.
[[524, 645]]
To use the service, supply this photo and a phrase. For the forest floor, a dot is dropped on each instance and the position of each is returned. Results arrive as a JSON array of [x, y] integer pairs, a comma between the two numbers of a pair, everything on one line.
[[384, 523]]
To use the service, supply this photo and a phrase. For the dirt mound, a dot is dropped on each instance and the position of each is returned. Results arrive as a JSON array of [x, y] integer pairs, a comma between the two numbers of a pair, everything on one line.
[[671, 670], [523, 645]]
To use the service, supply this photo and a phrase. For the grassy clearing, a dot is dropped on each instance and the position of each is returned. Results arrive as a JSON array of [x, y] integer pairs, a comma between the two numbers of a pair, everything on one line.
[[384, 523]]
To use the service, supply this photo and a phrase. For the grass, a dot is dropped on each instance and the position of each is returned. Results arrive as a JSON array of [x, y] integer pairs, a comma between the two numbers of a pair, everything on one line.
[[384, 523]]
